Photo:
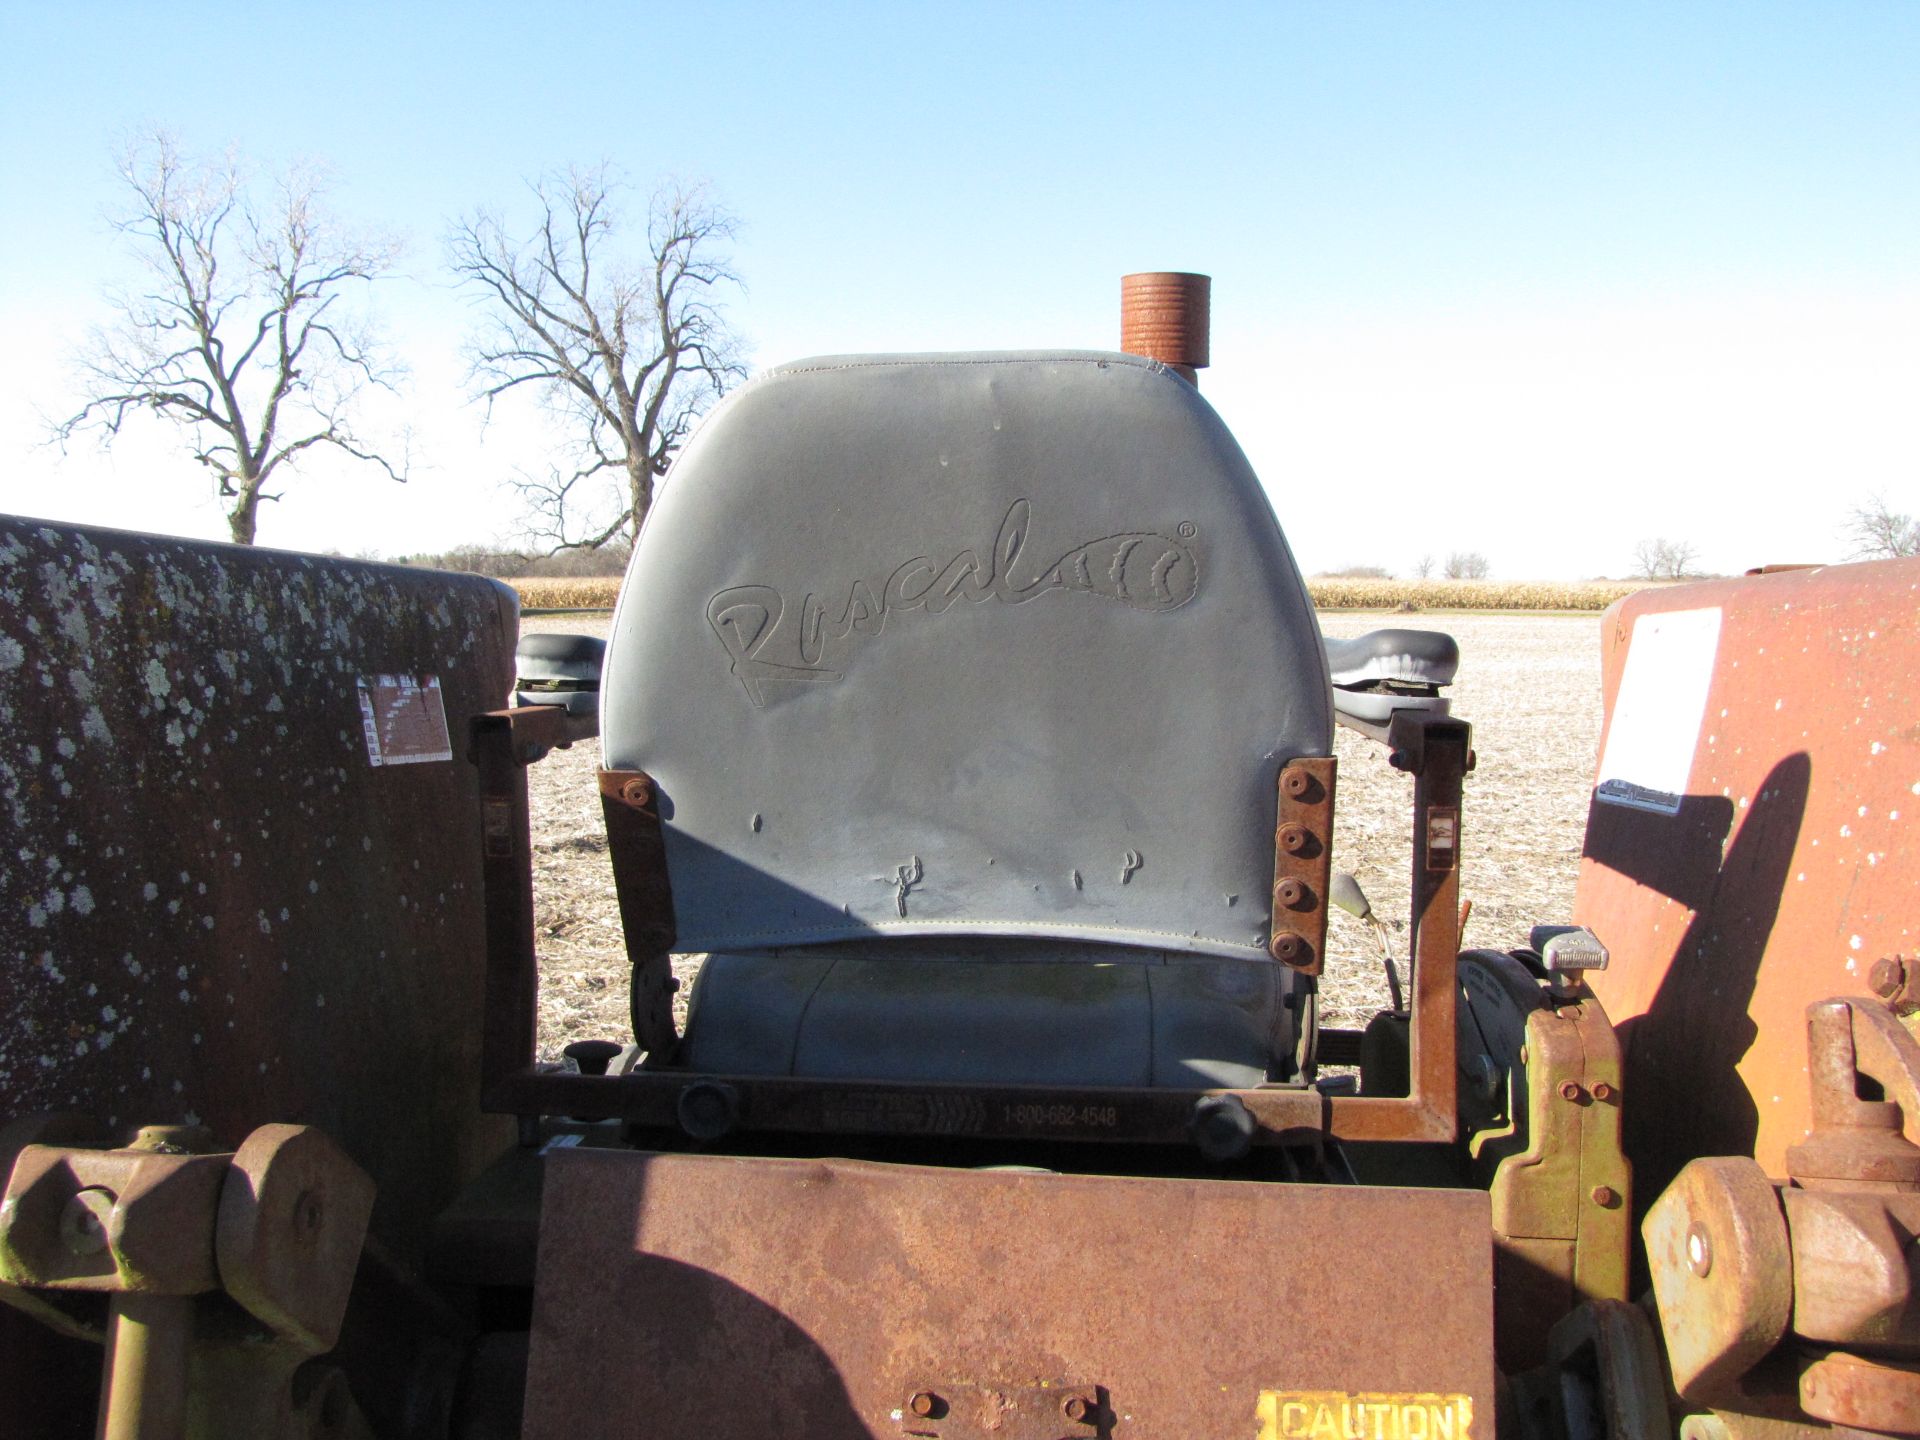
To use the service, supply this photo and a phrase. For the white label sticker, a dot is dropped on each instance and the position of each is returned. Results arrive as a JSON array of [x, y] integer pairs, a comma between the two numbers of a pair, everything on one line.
[[404, 719], [1657, 713]]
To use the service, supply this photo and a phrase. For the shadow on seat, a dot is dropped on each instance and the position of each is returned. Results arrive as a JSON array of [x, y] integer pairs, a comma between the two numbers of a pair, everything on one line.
[[963, 683]]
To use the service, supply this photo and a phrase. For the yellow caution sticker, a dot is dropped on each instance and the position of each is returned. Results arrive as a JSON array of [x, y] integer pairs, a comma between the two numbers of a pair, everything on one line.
[[1345, 1415]]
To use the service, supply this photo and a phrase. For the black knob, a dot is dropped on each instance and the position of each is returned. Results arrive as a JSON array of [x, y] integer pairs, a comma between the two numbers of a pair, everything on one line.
[[1222, 1127], [592, 1056], [708, 1109]]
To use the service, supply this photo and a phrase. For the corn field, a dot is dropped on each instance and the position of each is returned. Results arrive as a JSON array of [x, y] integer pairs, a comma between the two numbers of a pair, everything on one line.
[[598, 593], [1330, 593]]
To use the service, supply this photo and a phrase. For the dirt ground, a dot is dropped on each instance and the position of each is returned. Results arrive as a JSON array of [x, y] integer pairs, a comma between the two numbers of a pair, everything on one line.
[[1530, 684]]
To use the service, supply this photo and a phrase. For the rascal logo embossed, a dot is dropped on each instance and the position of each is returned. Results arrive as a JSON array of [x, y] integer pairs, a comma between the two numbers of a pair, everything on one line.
[[1142, 570]]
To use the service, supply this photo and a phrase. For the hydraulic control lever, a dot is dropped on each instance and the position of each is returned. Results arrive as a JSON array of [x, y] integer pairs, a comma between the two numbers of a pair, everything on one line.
[[1347, 894]]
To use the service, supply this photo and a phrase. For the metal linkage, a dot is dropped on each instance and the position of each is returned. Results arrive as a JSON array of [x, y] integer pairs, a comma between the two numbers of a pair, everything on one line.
[[276, 1227], [1802, 1299]]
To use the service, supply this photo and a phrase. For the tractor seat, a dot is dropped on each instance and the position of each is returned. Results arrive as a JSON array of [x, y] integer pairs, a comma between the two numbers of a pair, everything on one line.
[[1412, 657], [1385, 671], [964, 682]]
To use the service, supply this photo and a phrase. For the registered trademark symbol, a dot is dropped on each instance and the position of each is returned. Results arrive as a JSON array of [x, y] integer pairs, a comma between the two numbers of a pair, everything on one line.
[[1188, 529]]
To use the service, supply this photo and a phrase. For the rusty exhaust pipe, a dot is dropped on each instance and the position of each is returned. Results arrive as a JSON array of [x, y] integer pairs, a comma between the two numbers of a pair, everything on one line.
[[1164, 315]]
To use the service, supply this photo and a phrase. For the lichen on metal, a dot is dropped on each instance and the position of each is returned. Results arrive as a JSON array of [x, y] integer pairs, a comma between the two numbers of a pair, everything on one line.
[[211, 904]]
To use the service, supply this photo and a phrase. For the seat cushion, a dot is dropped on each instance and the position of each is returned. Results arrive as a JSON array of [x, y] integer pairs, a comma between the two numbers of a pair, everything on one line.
[[1411, 657], [988, 1012]]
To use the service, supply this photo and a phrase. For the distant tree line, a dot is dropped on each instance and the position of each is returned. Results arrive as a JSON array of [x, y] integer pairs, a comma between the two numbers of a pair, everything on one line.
[[569, 564], [1458, 565], [1874, 530]]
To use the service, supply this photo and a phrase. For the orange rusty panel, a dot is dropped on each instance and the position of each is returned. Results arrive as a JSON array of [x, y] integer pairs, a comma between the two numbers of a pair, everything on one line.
[[696, 1296], [1786, 868]]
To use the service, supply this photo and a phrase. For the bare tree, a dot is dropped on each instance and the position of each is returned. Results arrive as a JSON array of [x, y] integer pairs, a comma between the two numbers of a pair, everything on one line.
[[237, 334], [1662, 559], [630, 352], [1878, 532], [1423, 567], [1466, 565]]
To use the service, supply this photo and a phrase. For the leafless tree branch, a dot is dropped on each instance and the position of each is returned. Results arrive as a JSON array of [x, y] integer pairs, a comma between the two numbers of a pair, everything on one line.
[[630, 353], [238, 334], [1879, 532], [1662, 559]]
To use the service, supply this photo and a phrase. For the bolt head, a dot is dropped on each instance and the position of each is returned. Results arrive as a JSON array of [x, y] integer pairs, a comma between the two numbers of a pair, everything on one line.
[[1887, 976], [83, 1224], [1603, 1092], [1699, 1250], [1289, 948], [1605, 1196], [1294, 782], [1076, 1408], [1569, 1090], [922, 1404]]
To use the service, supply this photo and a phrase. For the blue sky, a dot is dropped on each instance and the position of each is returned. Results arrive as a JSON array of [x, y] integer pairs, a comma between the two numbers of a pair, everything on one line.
[[1538, 280]]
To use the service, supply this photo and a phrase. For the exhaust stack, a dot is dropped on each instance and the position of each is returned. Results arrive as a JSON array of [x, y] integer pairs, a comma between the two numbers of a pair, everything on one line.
[[1164, 315]]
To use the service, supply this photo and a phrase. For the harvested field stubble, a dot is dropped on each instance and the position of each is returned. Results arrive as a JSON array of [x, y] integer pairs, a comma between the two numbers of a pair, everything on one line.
[[1530, 684], [1328, 594]]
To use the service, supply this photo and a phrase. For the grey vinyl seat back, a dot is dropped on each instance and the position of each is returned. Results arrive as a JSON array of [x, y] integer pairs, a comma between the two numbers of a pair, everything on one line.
[[966, 645]]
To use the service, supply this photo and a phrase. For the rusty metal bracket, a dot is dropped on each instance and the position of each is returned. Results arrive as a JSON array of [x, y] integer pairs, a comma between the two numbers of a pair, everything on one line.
[[512, 987], [1302, 863], [502, 743], [1854, 1141], [1562, 1205], [637, 848], [1859, 1393], [113, 1220], [65, 1313], [1437, 750]]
